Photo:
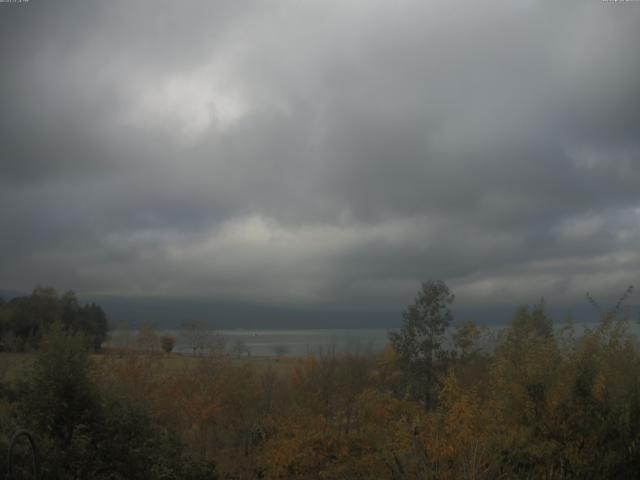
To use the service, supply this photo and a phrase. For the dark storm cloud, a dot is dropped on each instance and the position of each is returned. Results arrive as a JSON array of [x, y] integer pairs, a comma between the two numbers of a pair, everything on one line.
[[321, 152]]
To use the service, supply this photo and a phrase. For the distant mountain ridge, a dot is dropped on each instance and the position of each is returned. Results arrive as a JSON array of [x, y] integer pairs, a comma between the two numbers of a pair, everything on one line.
[[170, 313], [9, 294]]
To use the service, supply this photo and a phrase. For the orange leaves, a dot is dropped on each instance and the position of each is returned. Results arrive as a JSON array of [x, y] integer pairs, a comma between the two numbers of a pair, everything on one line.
[[380, 443], [301, 444], [465, 425], [537, 407]]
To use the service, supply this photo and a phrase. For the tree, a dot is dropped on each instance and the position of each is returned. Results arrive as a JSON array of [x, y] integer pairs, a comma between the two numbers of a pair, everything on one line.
[[419, 341], [529, 326], [88, 319], [465, 338], [93, 322], [167, 343], [27, 317], [195, 335], [31, 315], [61, 394], [87, 430]]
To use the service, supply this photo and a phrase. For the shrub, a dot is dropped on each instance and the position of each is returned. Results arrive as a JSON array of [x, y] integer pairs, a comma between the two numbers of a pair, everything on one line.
[[167, 343]]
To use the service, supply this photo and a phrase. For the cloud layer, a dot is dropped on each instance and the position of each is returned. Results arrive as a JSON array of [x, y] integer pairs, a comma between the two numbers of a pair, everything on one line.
[[321, 153]]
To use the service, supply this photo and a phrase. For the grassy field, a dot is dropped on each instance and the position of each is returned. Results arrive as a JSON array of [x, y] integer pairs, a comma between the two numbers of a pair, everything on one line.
[[14, 366]]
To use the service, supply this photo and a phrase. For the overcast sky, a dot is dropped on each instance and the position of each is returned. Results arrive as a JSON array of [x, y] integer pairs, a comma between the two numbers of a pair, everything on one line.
[[321, 153]]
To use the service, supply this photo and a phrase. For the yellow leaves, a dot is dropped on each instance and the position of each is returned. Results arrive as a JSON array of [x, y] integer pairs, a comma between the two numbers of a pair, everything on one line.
[[301, 444], [376, 407], [458, 434], [537, 407], [380, 439], [600, 386], [386, 374]]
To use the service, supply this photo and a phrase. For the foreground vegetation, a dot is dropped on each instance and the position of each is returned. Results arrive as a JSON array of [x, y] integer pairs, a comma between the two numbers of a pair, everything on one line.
[[544, 403]]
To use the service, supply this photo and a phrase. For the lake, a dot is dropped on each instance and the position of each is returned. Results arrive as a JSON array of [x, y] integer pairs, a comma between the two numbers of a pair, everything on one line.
[[268, 343]]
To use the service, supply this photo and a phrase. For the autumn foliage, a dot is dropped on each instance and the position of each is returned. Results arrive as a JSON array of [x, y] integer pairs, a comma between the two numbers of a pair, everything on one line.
[[541, 402]]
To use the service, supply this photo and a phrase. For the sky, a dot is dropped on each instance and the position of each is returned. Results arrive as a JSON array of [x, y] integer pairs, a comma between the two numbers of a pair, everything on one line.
[[321, 154]]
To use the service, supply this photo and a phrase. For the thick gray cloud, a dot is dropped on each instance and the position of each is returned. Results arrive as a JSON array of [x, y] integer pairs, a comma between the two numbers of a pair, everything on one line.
[[321, 153]]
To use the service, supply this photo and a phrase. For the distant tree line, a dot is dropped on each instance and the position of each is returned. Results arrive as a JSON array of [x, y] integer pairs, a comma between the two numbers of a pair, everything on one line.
[[23, 320]]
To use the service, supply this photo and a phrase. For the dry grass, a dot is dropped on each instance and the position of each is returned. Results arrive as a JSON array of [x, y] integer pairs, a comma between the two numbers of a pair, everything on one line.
[[14, 366]]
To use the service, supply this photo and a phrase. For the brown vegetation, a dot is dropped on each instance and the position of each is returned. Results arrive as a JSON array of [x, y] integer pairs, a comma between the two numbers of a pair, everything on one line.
[[545, 403]]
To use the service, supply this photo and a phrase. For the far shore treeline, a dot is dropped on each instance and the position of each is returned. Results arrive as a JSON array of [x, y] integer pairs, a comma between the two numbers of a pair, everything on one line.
[[23, 320]]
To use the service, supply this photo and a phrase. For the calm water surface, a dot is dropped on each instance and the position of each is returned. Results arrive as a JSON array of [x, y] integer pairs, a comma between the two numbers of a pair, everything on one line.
[[268, 343], [271, 342]]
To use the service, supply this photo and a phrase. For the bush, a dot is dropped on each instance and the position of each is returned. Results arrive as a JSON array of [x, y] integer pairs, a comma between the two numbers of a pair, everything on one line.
[[87, 432], [167, 343]]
